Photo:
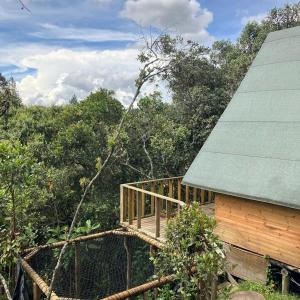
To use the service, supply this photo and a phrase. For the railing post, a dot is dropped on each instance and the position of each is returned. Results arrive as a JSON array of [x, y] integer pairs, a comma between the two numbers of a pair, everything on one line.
[[157, 217], [138, 210], [179, 189], [130, 215], [152, 198], [169, 207], [133, 203], [143, 202], [122, 212]]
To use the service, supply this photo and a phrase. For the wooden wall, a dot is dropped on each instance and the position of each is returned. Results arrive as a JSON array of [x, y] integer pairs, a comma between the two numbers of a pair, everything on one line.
[[260, 227]]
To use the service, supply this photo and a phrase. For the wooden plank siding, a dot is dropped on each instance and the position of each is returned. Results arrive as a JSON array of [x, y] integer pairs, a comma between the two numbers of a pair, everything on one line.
[[260, 227]]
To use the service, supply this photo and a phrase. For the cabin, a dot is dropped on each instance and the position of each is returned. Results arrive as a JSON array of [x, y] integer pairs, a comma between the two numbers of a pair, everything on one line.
[[247, 174]]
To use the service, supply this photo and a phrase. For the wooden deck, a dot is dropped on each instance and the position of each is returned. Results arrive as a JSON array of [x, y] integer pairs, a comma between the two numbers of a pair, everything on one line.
[[148, 223]]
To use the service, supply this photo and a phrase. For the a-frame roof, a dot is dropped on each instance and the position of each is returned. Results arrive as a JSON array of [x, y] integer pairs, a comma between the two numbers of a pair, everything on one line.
[[254, 150]]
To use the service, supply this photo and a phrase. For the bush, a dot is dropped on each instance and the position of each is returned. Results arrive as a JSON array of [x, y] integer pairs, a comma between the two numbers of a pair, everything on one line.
[[192, 253]]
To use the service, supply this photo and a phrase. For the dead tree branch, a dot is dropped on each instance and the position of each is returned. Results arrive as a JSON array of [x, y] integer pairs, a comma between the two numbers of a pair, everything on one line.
[[151, 69], [3, 281]]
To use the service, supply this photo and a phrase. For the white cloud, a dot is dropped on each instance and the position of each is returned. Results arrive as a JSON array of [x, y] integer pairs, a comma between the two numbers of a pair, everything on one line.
[[256, 18], [185, 17], [61, 73], [50, 31]]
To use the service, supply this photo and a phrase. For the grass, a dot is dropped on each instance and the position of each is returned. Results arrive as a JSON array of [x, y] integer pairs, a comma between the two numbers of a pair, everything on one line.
[[267, 291]]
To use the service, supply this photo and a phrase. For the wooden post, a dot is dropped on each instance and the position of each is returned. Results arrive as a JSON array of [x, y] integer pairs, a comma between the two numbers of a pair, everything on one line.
[[209, 196], [128, 263], [77, 269], [202, 196], [133, 203], [194, 194], [152, 198], [169, 205], [36, 292], [285, 281], [138, 210], [145, 296], [179, 189], [157, 217], [187, 194], [122, 204], [130, 215], [143, 203]]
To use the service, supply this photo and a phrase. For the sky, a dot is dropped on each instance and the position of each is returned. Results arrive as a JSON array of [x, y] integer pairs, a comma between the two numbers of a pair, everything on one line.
[[66, 47]]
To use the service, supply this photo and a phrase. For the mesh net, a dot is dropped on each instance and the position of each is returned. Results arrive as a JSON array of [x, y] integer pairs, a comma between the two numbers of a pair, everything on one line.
[[98, 269]]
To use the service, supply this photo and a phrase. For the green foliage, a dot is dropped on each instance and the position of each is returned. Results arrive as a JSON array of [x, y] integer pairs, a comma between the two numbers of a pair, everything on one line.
[[49, 154], [267, 291], [192, 253]]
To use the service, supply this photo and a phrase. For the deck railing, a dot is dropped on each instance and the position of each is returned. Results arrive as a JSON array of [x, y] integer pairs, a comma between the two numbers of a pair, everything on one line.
[[159, 197]]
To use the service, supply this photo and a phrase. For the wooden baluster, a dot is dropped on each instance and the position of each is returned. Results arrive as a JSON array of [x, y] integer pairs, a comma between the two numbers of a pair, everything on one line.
[[194, 194], [187, 194], [169, 204], [202, 197], [179, 189], [157, 216], [143, 202], [133, 203], [138, 210], [161, 191], [122, 213], [152, 198], [130, 215]]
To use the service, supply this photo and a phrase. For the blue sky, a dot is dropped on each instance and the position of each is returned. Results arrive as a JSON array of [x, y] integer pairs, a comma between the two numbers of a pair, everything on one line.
[[66, 47]]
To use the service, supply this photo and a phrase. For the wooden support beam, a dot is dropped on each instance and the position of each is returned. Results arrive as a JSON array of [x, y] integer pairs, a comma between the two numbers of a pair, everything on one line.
[[285, 281], [194, 194], [202, 196], [187, 194], [157, 217]]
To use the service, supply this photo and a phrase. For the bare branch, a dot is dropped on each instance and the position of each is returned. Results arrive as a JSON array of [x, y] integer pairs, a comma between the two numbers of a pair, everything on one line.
[[3, 281], [149, 158]]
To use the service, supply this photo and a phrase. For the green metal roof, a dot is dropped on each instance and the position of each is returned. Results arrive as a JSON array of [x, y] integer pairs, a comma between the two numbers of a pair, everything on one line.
[[254, 150]]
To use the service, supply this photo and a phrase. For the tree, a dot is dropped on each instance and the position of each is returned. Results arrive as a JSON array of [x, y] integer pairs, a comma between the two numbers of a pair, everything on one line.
[[73, 100], [9, 98], [22, 190]]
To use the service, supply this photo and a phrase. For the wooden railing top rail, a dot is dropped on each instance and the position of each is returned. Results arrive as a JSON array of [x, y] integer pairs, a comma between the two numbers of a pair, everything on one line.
[[181, 203], [155, 180]]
